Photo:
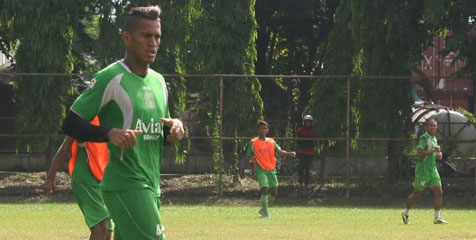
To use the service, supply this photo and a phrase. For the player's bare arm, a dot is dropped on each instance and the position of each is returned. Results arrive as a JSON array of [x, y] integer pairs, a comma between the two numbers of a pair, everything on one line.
[[286, 154], [244, 165], [176, 129], [59, 159]]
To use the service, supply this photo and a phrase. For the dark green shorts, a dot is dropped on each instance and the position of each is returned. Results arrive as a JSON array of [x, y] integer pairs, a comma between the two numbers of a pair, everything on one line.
[[135, 214], [267, 178], [91, 203]]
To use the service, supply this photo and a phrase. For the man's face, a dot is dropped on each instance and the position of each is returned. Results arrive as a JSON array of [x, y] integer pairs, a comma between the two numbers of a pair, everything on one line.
[[307, 123], [432, 127], [143, 42], [263, 130]]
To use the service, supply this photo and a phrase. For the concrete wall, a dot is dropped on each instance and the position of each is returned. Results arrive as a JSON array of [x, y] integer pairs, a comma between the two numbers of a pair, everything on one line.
[[23, 162]]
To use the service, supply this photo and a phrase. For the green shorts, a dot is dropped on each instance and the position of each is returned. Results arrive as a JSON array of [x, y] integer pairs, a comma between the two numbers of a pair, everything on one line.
[[422, 182], [135, 213], [266, 178], [91, 203]]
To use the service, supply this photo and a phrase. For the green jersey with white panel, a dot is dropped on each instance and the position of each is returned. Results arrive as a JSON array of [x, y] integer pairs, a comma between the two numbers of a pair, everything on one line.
[[125, 100], [426, 165], [426, 173]]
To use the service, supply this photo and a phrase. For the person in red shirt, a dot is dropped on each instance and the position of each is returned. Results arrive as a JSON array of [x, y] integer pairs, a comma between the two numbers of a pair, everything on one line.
[[305, 152]]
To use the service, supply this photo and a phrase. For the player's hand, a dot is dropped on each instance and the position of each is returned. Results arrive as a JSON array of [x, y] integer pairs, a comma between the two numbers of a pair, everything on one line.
[[176, 129], [49, 186], [123, 138], [439, 156], [437, 149], [292, 154]]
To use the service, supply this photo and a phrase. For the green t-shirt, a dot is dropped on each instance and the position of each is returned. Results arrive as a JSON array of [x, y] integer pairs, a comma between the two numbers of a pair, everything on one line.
[[82, 172], [427, 165], [122, 99]]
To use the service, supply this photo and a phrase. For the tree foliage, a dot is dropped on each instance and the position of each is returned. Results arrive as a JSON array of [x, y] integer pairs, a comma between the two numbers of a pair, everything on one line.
[[375, 38], [43, 48], [361, 38], [292, 39], [225, 43], [460, 23]]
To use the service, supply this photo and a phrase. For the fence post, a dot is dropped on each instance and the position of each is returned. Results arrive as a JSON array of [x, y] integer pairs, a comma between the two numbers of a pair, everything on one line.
[[347, 140], [220, 138]]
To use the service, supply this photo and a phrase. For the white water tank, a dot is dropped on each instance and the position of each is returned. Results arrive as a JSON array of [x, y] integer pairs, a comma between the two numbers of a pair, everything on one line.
[[452, 126]]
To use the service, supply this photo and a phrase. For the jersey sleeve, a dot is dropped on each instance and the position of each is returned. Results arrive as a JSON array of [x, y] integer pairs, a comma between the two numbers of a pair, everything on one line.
[[422, 143], [249, 149], [276, 147], [88, 104]]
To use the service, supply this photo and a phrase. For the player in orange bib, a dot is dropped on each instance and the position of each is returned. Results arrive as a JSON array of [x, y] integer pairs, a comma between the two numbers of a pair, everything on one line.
[[86, 167], [264, 150]]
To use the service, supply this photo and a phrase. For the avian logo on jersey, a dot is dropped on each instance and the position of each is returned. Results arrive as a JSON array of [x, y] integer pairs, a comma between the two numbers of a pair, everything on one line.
[[150, 130]]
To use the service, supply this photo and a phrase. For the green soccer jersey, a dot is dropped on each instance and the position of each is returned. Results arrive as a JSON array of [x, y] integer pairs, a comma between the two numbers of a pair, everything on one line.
[[82, 171], [122, 99], [426, 166]]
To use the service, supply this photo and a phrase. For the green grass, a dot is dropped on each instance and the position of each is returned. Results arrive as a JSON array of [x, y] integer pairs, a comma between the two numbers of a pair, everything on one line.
[[64, 221]]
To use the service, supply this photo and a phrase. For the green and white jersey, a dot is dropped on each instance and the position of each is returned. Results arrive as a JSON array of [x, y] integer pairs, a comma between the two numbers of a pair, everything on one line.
[[426, 166], [122, 99]]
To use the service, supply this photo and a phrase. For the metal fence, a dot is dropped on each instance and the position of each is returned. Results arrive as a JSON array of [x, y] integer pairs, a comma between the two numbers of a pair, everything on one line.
[[342, 162]]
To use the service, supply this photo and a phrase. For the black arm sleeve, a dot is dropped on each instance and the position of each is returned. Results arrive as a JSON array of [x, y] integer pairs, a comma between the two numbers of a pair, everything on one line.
[[78, 128]]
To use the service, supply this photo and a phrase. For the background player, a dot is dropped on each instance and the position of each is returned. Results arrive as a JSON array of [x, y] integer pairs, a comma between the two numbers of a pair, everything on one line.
[[86, 167], [264, 150], [426, 173]]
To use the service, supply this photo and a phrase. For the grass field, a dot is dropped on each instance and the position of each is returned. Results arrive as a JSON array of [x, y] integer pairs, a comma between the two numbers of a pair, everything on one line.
[[64, 221]]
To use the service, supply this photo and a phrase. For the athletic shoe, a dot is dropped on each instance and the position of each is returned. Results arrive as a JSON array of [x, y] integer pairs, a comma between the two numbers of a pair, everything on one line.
[[439, 221], [263, 213], [405, 218]]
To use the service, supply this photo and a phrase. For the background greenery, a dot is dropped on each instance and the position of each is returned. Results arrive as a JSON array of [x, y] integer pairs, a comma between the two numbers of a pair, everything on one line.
[[309, 37]]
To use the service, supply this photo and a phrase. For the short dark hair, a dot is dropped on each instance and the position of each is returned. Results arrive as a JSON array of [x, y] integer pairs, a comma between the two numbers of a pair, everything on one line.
[[430, 120], [263, 123], [135, 14]]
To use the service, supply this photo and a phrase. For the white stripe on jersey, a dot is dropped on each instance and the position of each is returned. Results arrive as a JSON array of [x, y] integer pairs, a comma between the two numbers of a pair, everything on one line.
[[166, 93], [115, 92]]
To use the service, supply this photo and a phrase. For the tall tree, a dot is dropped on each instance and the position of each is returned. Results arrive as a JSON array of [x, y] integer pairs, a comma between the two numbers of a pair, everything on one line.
[[380, 38], [177, 22], [43, 48], [328, 98], [292, 38], [460, 22], [391, 36], [225, 43]]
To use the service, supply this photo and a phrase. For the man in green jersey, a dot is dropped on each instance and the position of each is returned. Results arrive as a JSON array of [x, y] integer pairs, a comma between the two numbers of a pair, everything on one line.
[[264, 150], [426, 174], [131, 101], [85, 185]]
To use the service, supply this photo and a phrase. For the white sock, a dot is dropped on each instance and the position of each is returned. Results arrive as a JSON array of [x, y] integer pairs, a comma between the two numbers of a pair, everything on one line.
[[437, 214], [406, 212]]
